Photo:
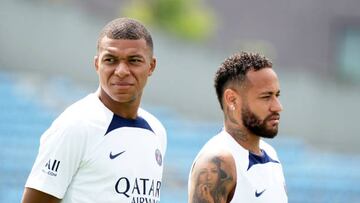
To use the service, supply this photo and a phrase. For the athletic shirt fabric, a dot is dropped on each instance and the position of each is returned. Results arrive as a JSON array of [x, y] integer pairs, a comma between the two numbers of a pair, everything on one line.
[[89, 154], [260, 179]]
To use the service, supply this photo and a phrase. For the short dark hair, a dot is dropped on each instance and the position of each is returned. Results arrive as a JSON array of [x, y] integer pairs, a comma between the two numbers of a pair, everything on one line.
[[126, 28], [235, 68]]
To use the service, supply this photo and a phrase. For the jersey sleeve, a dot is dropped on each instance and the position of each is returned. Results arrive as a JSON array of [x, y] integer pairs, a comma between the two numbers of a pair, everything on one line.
[[61, 150]]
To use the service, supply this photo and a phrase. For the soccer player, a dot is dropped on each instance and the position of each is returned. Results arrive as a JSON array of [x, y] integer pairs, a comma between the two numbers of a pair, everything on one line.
[[105, 148], [236, 165]]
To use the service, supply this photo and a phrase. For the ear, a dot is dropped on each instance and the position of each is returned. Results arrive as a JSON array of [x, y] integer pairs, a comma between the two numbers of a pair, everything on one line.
[[96, 62], [152, 66], [231, 98]]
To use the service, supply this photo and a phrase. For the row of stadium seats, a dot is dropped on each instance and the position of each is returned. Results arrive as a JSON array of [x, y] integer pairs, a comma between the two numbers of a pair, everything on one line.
[[22, 120], [312, 176]]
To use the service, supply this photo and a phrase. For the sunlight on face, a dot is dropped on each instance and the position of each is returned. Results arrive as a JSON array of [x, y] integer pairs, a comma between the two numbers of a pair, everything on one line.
[[123, 67], [261, 108]]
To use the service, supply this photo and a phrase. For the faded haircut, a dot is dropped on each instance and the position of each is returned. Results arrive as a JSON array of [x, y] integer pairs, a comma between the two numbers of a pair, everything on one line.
[[126, 28], [235, 68]]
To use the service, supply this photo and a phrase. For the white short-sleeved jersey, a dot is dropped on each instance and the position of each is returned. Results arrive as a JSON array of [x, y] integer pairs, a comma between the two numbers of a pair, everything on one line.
[[90, 155], [260, 179]]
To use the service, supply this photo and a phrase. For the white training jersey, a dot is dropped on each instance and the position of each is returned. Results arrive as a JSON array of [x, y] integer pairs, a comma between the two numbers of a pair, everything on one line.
[[260, 179], [89, 154]]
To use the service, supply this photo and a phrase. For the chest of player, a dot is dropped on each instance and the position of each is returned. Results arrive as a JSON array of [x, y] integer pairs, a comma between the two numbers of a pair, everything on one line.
[[128, 162], [262, 183], [128, 151]]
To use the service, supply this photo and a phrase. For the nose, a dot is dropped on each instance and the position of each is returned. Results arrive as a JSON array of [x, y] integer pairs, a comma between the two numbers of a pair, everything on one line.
[[276, 105], [122, 70]]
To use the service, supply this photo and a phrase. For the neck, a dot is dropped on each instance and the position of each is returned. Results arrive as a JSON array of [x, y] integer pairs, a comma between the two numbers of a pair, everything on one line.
[[247, 140], [124, 109], [242, 135]]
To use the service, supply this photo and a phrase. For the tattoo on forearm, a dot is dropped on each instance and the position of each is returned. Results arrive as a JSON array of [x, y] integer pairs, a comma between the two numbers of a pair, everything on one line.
[[211, 181]]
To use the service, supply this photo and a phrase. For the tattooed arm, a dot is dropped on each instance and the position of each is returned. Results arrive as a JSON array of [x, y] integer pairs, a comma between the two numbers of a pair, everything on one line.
[[212, 179]]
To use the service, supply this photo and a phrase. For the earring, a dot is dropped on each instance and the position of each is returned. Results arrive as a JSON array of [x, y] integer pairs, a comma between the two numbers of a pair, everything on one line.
[[232, 107]]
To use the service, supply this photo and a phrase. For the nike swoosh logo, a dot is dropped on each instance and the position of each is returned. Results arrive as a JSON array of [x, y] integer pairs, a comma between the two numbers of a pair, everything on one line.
[[113, 156], [258, 194]]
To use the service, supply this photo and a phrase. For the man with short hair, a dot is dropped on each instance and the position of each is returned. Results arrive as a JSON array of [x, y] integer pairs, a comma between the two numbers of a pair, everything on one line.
[[105, 148], [236, 165]]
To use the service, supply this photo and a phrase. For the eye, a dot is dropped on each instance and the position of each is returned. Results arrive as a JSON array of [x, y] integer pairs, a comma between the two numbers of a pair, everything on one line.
[[109, 60], [135, 60], [214, 170]]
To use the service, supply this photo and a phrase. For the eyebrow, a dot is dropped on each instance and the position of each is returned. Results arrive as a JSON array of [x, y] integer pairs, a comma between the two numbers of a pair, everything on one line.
[[129, 56], [269, 92], [109, 54], [136, 56]]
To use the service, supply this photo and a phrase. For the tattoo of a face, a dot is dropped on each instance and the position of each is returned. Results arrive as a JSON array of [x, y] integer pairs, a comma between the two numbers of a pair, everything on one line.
[[211, 182]]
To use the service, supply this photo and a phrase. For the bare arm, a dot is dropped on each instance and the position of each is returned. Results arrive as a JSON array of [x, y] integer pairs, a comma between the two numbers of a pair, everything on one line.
[[36, 196], [213, 179]]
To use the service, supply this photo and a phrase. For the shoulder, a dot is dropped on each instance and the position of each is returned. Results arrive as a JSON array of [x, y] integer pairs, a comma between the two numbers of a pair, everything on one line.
[[216, 149], [269, 150], [85, 111], [83, 108], [156, 126], [213, 176], [154, 123], [223, 159], [74, 120], [221, 143]]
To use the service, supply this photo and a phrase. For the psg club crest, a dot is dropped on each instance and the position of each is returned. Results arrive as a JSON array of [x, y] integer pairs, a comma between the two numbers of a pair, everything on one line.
[[158, 157]]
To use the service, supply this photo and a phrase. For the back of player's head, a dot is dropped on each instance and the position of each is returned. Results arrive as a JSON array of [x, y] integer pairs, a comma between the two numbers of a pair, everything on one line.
[[126, 28], [235, 68]]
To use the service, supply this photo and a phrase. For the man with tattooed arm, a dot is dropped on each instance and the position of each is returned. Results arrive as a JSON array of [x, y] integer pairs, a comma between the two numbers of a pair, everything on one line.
[[236, 165]]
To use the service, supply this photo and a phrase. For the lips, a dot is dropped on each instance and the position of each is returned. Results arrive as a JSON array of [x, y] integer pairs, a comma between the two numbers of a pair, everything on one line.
[[122, 85], [274, 119]]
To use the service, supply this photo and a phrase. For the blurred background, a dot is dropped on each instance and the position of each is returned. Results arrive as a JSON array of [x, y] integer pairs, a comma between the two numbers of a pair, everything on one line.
[[46, 63]]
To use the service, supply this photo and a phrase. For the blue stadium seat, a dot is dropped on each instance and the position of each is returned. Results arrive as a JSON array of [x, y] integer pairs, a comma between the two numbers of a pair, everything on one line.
[[22, 121]]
